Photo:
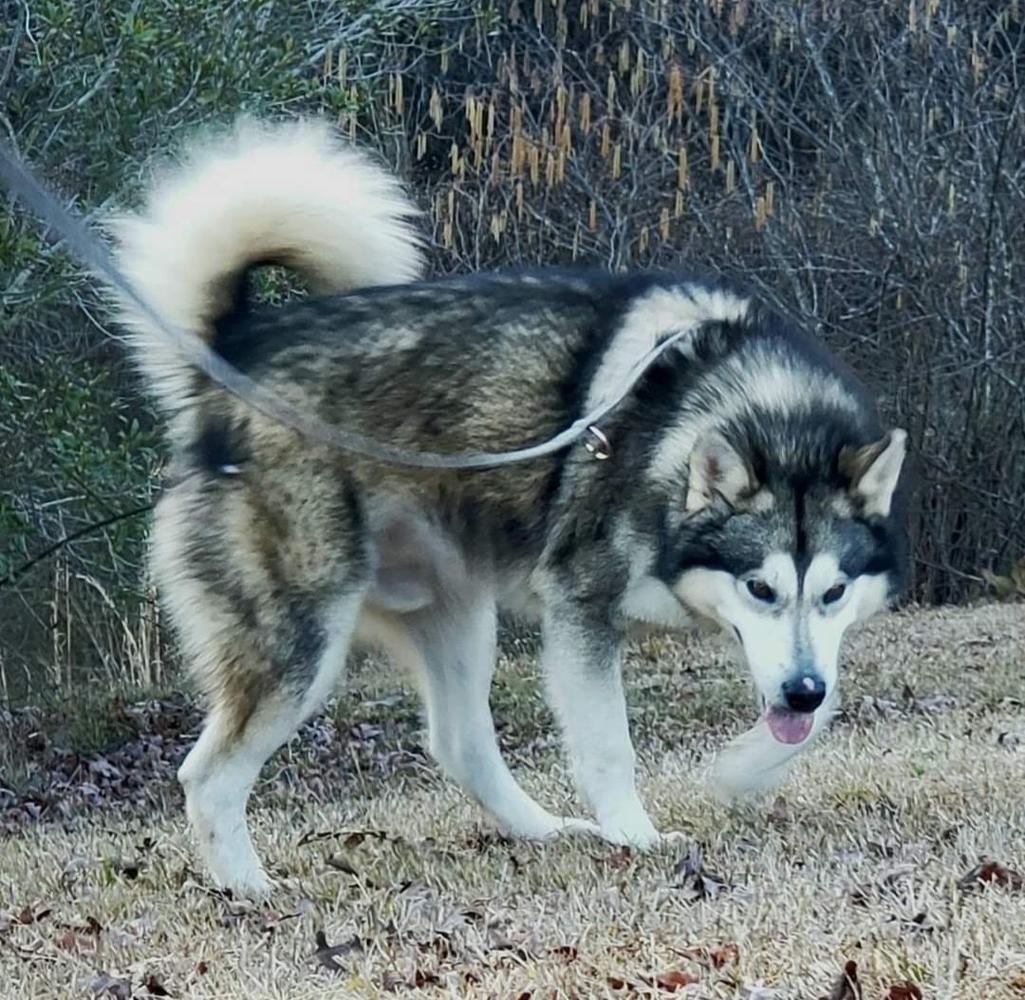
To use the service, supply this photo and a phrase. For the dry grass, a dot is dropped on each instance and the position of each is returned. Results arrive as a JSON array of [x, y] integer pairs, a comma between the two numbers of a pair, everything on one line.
[[858, 859]]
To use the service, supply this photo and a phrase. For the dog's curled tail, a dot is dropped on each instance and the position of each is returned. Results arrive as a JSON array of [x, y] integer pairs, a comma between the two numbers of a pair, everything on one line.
[[289, 194]]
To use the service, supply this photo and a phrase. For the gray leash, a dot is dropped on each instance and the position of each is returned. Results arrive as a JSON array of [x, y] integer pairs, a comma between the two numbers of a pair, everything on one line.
[[197, 352]]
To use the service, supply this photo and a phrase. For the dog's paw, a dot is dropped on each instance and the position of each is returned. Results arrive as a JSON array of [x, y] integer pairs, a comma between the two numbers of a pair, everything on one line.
[[750, 764], [631, 829], [569, 826], [246, 883], [674, 839], [550, 827]]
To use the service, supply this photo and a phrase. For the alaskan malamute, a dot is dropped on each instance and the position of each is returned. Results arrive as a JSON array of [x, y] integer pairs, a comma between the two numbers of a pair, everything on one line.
[[748, 484]]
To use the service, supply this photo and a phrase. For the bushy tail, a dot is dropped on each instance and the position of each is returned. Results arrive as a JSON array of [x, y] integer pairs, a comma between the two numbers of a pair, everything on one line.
[[286, 194]]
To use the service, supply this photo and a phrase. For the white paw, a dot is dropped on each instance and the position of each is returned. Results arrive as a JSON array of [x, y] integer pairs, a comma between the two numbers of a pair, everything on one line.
[[630, 829], [568, 826], [252, 884], [550, 827], [238, 870], [674, 838], [753, 762]]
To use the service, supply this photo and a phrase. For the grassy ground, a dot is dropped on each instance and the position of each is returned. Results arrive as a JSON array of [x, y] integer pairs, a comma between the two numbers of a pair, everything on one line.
[[858, 859]]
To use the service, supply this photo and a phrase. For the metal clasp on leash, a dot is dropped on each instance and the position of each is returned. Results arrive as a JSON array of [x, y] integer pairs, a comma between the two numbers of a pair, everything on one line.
[[597, 445]]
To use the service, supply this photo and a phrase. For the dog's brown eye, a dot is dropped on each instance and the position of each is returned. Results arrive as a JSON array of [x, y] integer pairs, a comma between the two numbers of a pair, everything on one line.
[[761, 590], [834, 593]]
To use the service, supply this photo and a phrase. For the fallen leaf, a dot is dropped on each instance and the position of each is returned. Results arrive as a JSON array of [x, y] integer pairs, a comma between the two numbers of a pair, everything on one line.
[[991, 872], [105, 985], [725, 954], [327, 954], [886, 884], [484, 840], [270, 920], [779, 814], [672, 980], [392, 982], [129, 869], [154, 987], [905, 990], [847, 986], [76, 942], [349, 838], [696, 881], [340, 864], [618, 859], [30, 915]]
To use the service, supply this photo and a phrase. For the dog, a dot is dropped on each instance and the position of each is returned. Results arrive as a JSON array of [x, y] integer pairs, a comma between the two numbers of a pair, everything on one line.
[[747, 484]]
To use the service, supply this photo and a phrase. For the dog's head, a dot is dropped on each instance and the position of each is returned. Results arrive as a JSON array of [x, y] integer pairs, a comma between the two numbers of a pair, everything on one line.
[[787, 557]]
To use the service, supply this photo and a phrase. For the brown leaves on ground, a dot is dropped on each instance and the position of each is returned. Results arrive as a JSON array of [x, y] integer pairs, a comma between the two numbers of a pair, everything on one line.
[[118, 988], [147, 743], [905, 990], [29, 915], [619, 859], [991, 873], [338, 863], [349, 838], [847, 986], [674, 979], [727, 953], [664, 982], [327, 955], [886, 884], [104, 985], [80, 937], [695, 881]]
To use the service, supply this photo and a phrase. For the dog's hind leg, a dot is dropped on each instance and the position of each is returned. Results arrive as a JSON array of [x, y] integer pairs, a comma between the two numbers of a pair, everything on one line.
[[450, 648], [255, 709], [264, 596]]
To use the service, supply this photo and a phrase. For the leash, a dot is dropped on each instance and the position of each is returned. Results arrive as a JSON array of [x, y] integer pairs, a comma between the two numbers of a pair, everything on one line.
[[91, 252]]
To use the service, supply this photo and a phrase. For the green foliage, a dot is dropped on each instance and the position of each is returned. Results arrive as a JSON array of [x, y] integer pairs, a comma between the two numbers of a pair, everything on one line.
[[92, 90], [74, 422], [1007, 586], [98, 87]]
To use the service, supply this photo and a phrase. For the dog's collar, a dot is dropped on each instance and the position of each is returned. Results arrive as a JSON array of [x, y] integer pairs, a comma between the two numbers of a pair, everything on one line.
[[597, 445]]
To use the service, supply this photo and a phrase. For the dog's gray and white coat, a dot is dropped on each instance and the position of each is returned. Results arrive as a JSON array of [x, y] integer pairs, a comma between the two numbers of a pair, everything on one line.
[[751, 485]]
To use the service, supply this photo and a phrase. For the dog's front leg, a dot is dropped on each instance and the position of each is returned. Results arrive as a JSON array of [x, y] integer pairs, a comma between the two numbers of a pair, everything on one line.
[[582, 661]]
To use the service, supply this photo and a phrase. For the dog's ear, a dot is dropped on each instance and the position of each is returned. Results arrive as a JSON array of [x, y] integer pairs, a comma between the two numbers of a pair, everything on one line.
[[717, 470], [874, 470]]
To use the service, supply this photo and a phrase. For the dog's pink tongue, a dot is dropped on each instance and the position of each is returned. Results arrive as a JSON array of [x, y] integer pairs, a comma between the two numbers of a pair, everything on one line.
[[788, 726]]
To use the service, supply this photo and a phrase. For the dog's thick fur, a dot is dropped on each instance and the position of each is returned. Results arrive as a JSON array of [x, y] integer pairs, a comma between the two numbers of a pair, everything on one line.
[[750, 484]]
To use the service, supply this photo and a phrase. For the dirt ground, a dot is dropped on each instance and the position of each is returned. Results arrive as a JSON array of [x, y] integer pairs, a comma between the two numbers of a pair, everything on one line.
[[892, 852]]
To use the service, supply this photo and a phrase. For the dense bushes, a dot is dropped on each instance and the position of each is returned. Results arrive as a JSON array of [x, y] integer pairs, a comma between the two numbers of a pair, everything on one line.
[[863, 172]]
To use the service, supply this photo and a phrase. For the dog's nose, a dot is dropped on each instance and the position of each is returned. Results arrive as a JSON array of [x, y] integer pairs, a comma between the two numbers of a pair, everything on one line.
[[804, 693]]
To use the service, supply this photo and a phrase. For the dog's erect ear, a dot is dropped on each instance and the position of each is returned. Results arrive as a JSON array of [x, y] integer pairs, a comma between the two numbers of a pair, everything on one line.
[[874, 470], [716, 469]]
